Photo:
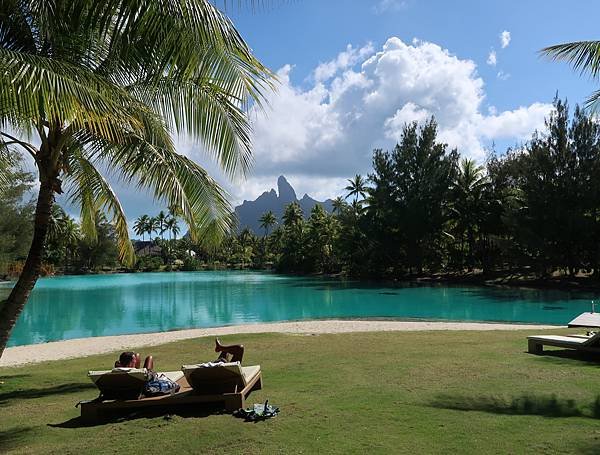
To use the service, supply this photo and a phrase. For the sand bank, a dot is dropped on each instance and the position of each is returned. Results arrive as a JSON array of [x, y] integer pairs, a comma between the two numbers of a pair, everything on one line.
[[67, 349]]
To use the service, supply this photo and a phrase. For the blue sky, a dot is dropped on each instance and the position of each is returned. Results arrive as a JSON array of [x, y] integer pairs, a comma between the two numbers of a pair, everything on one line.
[[307, 32], [352, 72]]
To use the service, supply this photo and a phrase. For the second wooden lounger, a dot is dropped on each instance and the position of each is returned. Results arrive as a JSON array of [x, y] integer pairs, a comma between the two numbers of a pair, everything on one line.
[[536, 343], [228, 382]]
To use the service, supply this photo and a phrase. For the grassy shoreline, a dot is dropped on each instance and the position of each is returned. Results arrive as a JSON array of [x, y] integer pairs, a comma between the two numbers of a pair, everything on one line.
[[418, 392]]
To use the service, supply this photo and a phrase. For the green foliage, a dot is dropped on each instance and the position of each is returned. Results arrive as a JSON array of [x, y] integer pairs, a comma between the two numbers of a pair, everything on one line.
[[411, 190], [16, 209], [149, 263]]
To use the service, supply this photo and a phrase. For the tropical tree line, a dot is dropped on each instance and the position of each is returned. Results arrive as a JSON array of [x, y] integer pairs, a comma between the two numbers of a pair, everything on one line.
[[423, 209], [147, 225]]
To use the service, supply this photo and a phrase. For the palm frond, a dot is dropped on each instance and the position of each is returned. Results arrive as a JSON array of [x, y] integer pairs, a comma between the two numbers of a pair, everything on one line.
[[38, 87], [174, 180], [6, 162], [91, 191], [593, 101], [207, 111], [584, 56]]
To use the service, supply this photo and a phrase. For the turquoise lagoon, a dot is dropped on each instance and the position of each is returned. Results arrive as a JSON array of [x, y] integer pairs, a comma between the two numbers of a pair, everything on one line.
[[94, 305]]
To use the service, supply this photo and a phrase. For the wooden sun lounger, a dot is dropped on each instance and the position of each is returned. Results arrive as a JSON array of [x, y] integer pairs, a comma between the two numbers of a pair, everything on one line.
[[536, 343], [587, 343], [186, 396]]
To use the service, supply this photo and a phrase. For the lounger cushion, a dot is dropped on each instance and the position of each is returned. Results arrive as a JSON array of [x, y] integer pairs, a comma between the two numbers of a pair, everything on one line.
[[173, 375], [138, 373], [565, 340], [120, 383], [250, 372], [218, 378]]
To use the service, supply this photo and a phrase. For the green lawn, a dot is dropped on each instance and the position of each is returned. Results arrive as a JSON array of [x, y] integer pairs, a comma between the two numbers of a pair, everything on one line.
[[402, 392]]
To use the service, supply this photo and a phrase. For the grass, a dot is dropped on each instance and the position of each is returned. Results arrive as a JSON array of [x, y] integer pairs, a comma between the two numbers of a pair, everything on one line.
[[412, 392]]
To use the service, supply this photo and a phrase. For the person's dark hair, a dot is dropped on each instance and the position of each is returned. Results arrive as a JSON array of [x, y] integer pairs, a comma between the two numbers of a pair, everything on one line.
[[126, 357]]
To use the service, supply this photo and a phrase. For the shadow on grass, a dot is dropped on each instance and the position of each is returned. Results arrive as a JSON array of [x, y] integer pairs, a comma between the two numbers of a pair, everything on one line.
[[12, 377], [10, 439], [167, 414], [546, 406], [556, 355], [589, 449], [60, 389]]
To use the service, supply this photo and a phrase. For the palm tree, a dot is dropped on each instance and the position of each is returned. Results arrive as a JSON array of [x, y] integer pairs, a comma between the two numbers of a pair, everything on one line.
[[173, 227], [140, 226], [357, 186], [104, 86], [468, 201], [71, 237], [152, 226], [292, 215], [267, 220], [584, 56], [338, 205], [161, 221]]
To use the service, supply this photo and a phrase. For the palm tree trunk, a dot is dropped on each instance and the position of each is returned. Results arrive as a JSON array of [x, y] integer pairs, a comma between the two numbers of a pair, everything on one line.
[[13, 306]]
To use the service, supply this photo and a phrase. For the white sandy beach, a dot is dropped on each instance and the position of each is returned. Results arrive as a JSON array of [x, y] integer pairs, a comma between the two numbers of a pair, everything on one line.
[[81, 347]]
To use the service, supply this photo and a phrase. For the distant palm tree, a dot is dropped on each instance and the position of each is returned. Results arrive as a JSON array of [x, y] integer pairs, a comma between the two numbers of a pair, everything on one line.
[[357, 186], [471, 178], [140, 226], [584, 56], [152, 226], [338, 205], [292, 215], [267, 220], [172, 226], [161, 221], [71, 236]]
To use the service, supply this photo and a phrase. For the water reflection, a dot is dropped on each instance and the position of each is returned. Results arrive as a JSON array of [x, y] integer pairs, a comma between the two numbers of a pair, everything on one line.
[[75, 306]]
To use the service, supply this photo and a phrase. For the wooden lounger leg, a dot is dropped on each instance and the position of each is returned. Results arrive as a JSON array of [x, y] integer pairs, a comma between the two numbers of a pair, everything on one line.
[[258, 385], [535, 347], [234, 401]]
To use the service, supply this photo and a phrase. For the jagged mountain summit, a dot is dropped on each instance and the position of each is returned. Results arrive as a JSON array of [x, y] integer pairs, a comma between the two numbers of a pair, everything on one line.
[[250, 211]]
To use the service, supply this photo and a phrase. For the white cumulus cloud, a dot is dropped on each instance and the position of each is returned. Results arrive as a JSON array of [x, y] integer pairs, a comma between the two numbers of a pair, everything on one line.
[[492, 58], [505, 39], [322, 134], [344, 60]]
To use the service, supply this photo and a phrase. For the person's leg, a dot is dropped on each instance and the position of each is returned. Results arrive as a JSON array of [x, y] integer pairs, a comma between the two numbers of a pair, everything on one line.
[[235, 350], [149, 363], [137, 360]]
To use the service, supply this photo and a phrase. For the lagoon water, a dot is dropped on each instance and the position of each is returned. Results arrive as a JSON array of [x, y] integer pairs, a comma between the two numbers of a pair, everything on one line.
[[94, 305]]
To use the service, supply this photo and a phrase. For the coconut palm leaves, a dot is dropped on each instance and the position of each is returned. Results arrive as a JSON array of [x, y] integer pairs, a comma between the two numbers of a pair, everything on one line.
[[584, 56], [113, 80], [103, 87], [267, 221], [357, 186]]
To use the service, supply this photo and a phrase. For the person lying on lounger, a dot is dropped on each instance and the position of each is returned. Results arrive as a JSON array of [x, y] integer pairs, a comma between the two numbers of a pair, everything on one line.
[[231, 353], [130, 359]]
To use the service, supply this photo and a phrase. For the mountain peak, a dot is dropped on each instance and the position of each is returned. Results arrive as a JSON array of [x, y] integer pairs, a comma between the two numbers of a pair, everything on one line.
[[249, 212], [285, 190]]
